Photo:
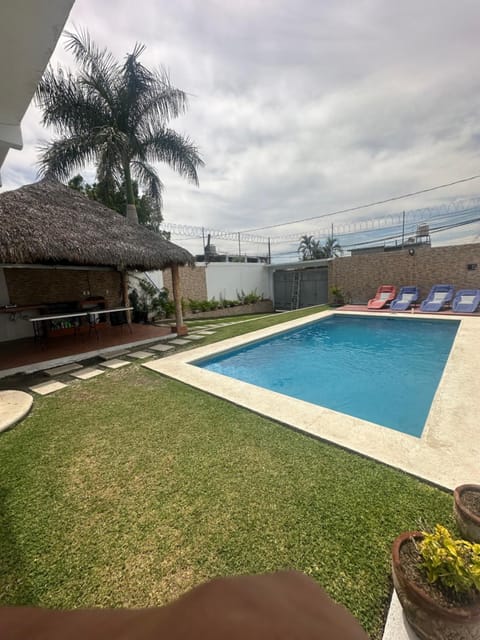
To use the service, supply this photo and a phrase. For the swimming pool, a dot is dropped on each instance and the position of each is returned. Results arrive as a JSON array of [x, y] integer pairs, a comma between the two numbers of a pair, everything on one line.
[[384, 370]]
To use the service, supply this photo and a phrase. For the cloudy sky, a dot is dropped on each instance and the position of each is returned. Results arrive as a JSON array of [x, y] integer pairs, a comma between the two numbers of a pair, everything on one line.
[[303, 107]]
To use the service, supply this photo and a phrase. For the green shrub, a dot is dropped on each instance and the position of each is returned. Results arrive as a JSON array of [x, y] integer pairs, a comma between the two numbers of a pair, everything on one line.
[[338, 295], [194, 305], [455, 564], [248, 298]]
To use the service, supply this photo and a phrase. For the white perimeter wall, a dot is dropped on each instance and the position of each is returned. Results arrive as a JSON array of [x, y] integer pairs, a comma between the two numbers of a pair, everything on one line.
[[225, 279], [153, 276], [12, 329]]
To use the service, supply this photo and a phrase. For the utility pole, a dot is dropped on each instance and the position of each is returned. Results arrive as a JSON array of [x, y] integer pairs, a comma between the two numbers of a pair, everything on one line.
[[403, 230], [239, 246], [269, 252]]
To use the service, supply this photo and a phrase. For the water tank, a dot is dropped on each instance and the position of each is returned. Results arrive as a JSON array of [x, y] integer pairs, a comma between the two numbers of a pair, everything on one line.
[[422, 230]]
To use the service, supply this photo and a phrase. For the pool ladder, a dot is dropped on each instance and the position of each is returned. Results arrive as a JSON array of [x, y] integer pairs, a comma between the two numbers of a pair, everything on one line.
[[295, 301]]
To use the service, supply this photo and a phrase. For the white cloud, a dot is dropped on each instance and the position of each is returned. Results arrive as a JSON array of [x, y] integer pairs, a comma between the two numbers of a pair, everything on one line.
[[303, 107]]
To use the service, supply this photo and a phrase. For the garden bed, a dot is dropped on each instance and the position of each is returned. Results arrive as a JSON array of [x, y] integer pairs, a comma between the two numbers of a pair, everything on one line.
[[263, 306]]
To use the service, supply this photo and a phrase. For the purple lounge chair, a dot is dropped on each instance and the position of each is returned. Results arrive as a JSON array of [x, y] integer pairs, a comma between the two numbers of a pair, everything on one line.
[[406, 297], [440, 295], [466, 301]]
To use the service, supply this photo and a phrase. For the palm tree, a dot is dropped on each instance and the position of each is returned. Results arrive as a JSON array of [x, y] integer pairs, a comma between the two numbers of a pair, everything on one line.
[[310, 248], [331, 248], [115, 115]]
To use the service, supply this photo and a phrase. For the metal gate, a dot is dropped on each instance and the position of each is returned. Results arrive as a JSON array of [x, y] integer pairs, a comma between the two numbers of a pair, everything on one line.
[[298, 288]]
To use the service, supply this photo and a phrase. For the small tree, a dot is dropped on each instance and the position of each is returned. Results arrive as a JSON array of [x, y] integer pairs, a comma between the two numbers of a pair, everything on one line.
[[114, 198]]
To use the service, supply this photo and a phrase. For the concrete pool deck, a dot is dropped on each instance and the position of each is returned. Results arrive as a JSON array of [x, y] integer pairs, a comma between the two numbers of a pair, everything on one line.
[[448, 452]]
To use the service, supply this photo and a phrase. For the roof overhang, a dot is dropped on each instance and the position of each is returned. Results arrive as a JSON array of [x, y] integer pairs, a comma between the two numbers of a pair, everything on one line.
[[29, 31], [300, 264]]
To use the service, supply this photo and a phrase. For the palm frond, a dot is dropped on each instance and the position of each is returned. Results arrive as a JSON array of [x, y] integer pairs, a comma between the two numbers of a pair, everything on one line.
[[66, 106], [100, 69], [166, 145], [148, 178], [61, 157], [163, 101]]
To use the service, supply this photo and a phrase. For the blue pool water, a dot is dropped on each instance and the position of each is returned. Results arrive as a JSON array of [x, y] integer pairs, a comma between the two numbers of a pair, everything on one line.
[[385, 370]]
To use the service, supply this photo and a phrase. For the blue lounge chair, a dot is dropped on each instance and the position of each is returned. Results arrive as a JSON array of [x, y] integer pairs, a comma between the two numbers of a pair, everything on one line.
[[440, 295], [466, 301], [406, 297]]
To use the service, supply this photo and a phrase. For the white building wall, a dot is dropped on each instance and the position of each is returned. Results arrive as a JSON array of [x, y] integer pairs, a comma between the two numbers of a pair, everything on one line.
[[12, 327], [227, 279], [150, 276]]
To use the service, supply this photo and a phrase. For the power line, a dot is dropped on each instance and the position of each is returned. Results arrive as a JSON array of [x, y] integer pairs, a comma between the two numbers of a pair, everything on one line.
[[439, 229], [453, 209], [364, 206], [433, 230]]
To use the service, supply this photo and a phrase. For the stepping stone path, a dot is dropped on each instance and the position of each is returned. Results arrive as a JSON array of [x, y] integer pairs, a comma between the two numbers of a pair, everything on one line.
[[114, 354], [44, 388], [114, 363], [14, 406], [66, 368], [111, 360], [162, 347], [87, 373], [139, 355]]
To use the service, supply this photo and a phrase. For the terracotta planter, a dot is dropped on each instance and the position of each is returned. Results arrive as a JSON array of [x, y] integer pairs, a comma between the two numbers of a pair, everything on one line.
[[428, 619], [468, 522]]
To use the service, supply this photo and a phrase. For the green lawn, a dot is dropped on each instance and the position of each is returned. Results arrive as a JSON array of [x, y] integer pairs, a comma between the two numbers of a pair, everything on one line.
[[130, 488]]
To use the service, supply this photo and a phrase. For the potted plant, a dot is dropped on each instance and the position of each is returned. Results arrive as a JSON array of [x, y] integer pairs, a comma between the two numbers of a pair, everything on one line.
[[466, 506], [437, 580], [338, 296]]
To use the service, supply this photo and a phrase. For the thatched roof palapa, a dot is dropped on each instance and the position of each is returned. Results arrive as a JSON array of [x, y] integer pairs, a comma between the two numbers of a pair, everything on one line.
[[49, 223]]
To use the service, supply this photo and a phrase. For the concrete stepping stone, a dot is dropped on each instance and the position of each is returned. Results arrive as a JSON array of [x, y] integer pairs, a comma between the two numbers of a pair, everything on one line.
[[66, 368], [162, 347], [114, 354], [179, 341], [14, 406], [45, 388], [194, 337], [139, 355], [87, 373], [206, 333], [114, 363]]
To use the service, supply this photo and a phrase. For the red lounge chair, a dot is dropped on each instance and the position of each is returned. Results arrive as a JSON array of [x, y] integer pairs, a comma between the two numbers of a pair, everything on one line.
[[385, 293]]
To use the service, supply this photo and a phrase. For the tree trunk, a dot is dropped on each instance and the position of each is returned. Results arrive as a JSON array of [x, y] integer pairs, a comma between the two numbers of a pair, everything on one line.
[[126, 301], [131, 208], [181, 329]]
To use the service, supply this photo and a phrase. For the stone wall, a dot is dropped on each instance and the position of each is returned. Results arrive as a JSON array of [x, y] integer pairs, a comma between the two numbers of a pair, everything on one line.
[[360, 276], [36, 286], [193, 282]]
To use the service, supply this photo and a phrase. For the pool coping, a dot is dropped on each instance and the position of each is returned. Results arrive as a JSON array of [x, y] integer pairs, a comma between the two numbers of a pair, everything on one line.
[[447, 453]]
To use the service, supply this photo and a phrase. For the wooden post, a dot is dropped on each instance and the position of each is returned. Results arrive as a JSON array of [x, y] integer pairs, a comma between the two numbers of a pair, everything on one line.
[[126, 301], [180, 328]]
